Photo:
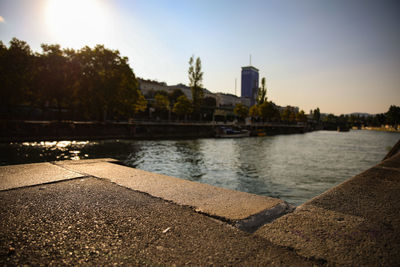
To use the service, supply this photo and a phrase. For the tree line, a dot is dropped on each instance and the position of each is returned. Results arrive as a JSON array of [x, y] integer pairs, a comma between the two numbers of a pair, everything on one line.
[[265, 110], [86, 84], [391, 117], [93, 83], [98, 83]]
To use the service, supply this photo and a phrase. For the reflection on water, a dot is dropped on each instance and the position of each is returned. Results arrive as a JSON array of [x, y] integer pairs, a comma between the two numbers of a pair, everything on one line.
[[291, 167], [61, 148]]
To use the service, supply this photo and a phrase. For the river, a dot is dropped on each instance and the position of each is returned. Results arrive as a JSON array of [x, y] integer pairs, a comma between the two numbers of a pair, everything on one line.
[[292, 167]]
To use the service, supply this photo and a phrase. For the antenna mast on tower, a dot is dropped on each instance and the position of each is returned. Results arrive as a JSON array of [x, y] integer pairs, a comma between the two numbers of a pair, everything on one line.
[[235, 86], [250, 59]]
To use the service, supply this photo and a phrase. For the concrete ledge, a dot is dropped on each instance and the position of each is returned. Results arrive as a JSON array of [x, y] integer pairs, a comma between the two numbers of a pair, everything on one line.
[[253, 222], [354, 223], [247, 211], [93, 222], [15, 176]]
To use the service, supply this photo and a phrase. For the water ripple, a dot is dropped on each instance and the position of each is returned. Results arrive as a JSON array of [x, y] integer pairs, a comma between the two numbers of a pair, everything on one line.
[[291, 167]]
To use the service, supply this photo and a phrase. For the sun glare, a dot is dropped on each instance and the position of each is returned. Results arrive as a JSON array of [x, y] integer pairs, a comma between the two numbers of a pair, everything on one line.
[[73, 22]]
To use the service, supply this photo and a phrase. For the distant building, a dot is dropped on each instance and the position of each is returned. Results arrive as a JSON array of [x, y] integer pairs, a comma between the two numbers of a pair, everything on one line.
[[291, 108], [184, 88], [226, 100], [250, 82], [147, 86]]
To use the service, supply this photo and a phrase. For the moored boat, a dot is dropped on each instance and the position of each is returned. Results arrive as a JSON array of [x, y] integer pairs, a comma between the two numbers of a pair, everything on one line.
[[261, 133], [225, 132]]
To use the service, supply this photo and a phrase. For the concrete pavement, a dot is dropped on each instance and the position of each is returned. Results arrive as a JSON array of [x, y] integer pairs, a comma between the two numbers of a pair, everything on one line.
[[92, 221], [247, 211], [15, 176]]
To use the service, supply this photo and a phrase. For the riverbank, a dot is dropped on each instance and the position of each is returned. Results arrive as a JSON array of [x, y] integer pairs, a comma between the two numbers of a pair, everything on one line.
[[98, 212], [21, 131], [382, 129]]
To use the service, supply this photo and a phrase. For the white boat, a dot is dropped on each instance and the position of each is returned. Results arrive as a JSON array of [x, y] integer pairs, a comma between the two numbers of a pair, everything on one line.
[[224, 132]]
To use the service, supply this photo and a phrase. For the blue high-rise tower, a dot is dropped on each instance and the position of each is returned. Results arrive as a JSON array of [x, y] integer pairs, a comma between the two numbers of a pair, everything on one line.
[[250, 83]]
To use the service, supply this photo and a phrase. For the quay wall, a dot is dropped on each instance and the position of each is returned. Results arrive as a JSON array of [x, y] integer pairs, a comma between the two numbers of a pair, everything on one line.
[[19, 131]]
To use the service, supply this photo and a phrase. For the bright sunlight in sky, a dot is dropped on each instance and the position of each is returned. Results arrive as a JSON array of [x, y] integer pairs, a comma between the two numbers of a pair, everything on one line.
[[70, 21], [342, 56]]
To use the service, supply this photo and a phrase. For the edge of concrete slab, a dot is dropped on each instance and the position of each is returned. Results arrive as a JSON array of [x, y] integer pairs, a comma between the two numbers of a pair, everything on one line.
[[243, 210], [253, 222], [354, 222], [23, 175]]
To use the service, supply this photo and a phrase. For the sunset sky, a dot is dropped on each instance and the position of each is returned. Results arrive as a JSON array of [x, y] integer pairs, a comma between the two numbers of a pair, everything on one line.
[[342, 56]]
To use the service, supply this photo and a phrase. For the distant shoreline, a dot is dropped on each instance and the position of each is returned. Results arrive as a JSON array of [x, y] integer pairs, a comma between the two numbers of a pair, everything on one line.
[[381, 129], [24, 131]]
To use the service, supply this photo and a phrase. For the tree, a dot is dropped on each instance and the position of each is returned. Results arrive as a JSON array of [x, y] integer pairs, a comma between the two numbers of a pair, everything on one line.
[[162, 92], [107, 84], [141, 103], [208, 108], [15, 73], [267, 111], [331, 118], [96, 82], [182, 107], [161, 102], [241, 110], [379, 119], [393, 115], [56, 82], [301, 116], [173, 96], [254, 111], [195, 78], [262, 93], [285, 114], [316, 115]]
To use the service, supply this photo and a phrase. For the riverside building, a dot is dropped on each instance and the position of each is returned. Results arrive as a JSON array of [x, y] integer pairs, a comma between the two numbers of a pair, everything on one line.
[[250, 80]]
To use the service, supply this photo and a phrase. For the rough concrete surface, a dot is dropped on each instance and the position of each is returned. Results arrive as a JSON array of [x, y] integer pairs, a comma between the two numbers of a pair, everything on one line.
[[228, 204], [355, 223], [94, 222], [15, 176]]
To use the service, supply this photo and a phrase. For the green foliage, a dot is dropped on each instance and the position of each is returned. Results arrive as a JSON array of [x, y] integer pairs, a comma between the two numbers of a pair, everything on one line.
[[173, 96], [288, 115], [161, 102], [162, 92], [268, 111], [96, 82], [141, 103], [301, 116], [241, 110], [393, 115], [316, 115], [254, 111], [55, 77], [262, 93], [196, 78], [16, 69], [182, 107], [330, 118]]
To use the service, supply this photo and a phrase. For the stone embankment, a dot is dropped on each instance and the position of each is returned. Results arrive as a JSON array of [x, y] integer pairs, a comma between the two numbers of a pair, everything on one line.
[[99, 212], [19, 131]]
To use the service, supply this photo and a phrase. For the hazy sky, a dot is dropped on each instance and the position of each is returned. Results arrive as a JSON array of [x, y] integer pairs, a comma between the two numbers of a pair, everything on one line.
[[340, 55]]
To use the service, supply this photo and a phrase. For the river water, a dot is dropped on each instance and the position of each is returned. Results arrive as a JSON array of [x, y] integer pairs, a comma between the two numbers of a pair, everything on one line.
[[293, 167]]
